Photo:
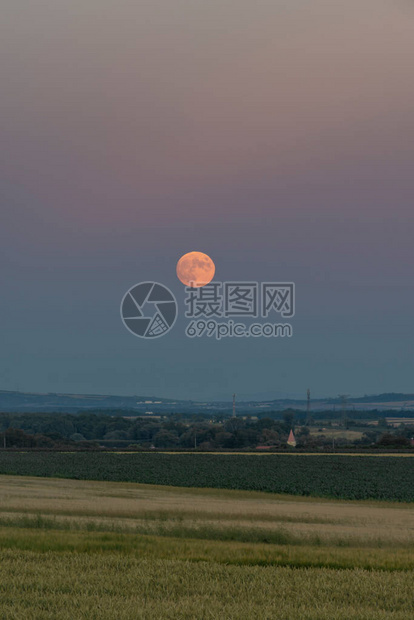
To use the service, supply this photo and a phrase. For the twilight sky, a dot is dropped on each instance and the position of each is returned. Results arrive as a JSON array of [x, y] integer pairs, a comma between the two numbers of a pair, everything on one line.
[[277, 137]]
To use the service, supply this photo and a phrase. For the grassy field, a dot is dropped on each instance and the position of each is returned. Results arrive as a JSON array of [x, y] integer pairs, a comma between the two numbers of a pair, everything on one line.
[[79, 549]]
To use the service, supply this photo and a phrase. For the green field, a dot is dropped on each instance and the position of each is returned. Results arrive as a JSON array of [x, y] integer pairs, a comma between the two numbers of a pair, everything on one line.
[[334, 476], [74, 549]]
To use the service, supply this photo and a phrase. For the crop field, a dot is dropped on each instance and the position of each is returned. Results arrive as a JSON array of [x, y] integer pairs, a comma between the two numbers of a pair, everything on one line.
[[337, 433], [333, 476], [73, 549]]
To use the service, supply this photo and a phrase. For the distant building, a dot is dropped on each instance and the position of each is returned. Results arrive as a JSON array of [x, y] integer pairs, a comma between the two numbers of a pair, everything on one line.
[[397, 421], [291, 440]]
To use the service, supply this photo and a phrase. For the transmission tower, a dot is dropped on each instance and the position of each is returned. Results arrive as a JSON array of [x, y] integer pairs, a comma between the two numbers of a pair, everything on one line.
[[234, 405], [308, 406], [344, 402]]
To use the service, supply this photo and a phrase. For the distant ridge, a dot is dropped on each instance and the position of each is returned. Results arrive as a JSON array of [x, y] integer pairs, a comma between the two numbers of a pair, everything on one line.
[[387, 397], [12, 401]]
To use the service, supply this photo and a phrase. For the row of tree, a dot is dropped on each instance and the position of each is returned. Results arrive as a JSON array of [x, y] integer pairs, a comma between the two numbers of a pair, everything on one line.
[[175, 431]]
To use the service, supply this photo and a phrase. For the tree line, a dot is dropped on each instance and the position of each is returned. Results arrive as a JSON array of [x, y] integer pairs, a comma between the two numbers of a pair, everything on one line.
[[186, 431]]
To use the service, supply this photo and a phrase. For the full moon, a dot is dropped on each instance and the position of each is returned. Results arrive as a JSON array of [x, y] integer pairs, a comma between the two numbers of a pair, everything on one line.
[[195, 269]]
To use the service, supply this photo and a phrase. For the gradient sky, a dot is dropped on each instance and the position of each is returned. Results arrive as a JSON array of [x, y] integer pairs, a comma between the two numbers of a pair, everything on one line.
[[277, 137]]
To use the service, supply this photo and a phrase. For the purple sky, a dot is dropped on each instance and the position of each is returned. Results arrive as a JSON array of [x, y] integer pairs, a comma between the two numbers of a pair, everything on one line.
[[278, 137]]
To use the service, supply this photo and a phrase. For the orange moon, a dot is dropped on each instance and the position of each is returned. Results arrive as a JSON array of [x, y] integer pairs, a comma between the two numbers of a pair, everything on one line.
[[195, 269]]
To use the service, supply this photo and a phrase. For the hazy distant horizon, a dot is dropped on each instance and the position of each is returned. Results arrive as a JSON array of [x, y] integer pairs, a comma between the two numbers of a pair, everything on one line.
[[240, 398]]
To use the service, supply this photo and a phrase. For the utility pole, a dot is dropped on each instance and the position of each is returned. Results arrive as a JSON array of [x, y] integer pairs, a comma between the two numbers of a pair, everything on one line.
[[234, 405]]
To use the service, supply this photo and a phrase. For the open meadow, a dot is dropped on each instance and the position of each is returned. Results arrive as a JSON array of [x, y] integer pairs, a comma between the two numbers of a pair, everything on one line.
[[91, 549]]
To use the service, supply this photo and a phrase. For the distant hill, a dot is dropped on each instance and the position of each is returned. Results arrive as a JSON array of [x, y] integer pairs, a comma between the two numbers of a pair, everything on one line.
[[71, 403], [390, 397], [74, 403]]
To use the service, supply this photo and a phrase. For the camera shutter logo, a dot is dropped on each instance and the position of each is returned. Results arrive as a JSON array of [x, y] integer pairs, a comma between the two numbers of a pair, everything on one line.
[[149, 310]]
